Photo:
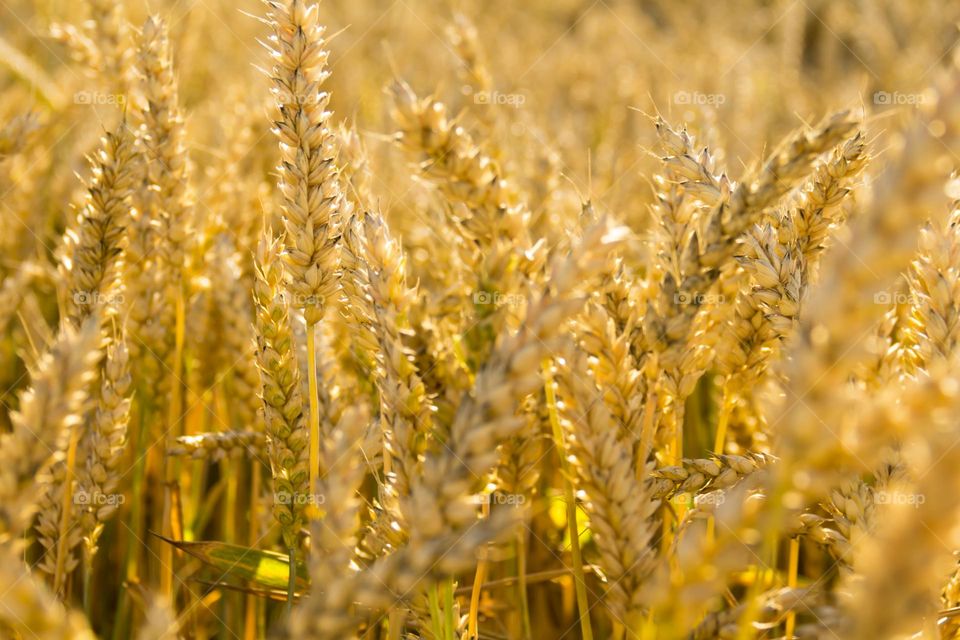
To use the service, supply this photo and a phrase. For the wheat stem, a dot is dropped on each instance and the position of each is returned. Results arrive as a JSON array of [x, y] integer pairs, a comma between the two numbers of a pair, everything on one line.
[[87, 580], [479, 577], [792, 570], [768, 553], [174, 428], [395, 623], [137, 515], [291, 579], [234, 473], [67, 503], [723, 419], [449, 624], [580, 584], [522, 584], [252, 602], [314, 408], [436, 619]]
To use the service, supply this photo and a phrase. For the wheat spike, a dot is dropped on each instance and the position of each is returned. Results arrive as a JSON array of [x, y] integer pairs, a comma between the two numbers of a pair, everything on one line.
[[287, 436]]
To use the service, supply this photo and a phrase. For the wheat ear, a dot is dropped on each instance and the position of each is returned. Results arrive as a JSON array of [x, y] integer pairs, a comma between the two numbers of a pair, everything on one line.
[[621, 506], [168, 205], [333, 538], [29, 609], [313, 204], [222, 445], [48, 411], [93, 245], [405, 410], [287, 435]]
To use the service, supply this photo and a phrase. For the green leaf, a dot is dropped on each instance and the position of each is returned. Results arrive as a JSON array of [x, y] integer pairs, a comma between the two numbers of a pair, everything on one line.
[[267, 569], [280, 595]]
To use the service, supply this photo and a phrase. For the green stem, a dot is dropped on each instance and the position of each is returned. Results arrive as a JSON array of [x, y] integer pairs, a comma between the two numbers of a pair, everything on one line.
[[436, 622], [291, 580], [87, 579], [449, 623]]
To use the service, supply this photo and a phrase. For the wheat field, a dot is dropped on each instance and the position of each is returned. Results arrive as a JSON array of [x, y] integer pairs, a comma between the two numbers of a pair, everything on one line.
[[481, 320]]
